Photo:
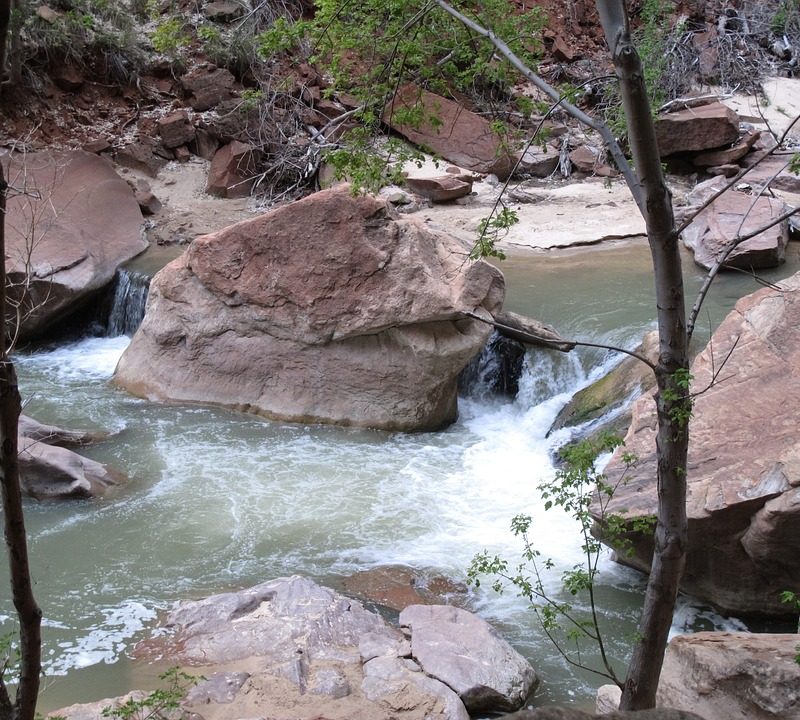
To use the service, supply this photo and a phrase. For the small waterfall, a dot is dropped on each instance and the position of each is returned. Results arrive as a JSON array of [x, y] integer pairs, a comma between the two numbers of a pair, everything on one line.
[[128, 304], [496, 370]]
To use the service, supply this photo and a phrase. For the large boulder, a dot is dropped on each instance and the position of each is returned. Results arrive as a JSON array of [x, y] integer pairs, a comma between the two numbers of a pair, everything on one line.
[[71, 222], [733, 675], [696, 129], [743, 500], [731, 215], [469, 656], [449, 130], [325, 310]]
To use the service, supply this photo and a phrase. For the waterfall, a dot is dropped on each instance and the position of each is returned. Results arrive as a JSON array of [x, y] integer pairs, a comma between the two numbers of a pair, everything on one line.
[[496, 370], [128, 304]]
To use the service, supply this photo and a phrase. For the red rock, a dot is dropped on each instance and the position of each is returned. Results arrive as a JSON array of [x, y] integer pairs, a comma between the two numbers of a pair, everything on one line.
[[148, 202], [695, 129], [208, 87], [141, 156], [97, 146], [88, 224], [586, 159], [182, 154], [204, 145], [233, 170], [743, 481], [731, 214], [440, 189], [537, 163], [729, 155], [458, 135], [176, 129]]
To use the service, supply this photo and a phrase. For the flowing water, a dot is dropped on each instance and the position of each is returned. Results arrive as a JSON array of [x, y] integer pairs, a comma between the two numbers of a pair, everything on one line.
[[219, 500]]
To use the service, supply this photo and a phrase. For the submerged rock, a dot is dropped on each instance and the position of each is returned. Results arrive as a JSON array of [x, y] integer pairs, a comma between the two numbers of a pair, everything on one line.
[[398, 586], [743, 494], [48, 470], [325, 310]]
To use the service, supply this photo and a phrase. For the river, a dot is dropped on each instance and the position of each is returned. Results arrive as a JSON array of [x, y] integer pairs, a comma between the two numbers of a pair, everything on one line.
[[220, 500]]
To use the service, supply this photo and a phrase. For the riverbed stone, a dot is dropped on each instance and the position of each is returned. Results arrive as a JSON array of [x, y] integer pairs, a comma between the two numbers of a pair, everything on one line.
[[48, 472], [398, 586], [628, 379], [568, 713], [86, 223], [743, 481], [696, 129], [732, 214], [469, 656], [733, 675], [329, 309]]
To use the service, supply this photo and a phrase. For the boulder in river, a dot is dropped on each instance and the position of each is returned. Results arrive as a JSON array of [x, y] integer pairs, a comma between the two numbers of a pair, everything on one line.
[[75, 223], [469, 656], [325, 310], [743, 495]]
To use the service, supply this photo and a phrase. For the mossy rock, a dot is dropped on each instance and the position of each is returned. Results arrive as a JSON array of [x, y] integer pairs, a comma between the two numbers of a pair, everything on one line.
[[630, 378]]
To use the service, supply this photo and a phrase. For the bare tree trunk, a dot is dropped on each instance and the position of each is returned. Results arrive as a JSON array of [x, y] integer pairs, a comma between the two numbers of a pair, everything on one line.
[[673, 404], [28, 612]]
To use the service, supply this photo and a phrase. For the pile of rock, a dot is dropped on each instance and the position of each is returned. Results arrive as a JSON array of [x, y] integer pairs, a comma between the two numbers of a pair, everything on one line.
[[289, 645]]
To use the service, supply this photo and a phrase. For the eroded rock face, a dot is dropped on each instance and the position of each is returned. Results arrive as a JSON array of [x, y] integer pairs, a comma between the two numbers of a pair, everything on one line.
[[72, 240], [733, 675], [469, 656], [325, 310], [743, 499], [736, 214]]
